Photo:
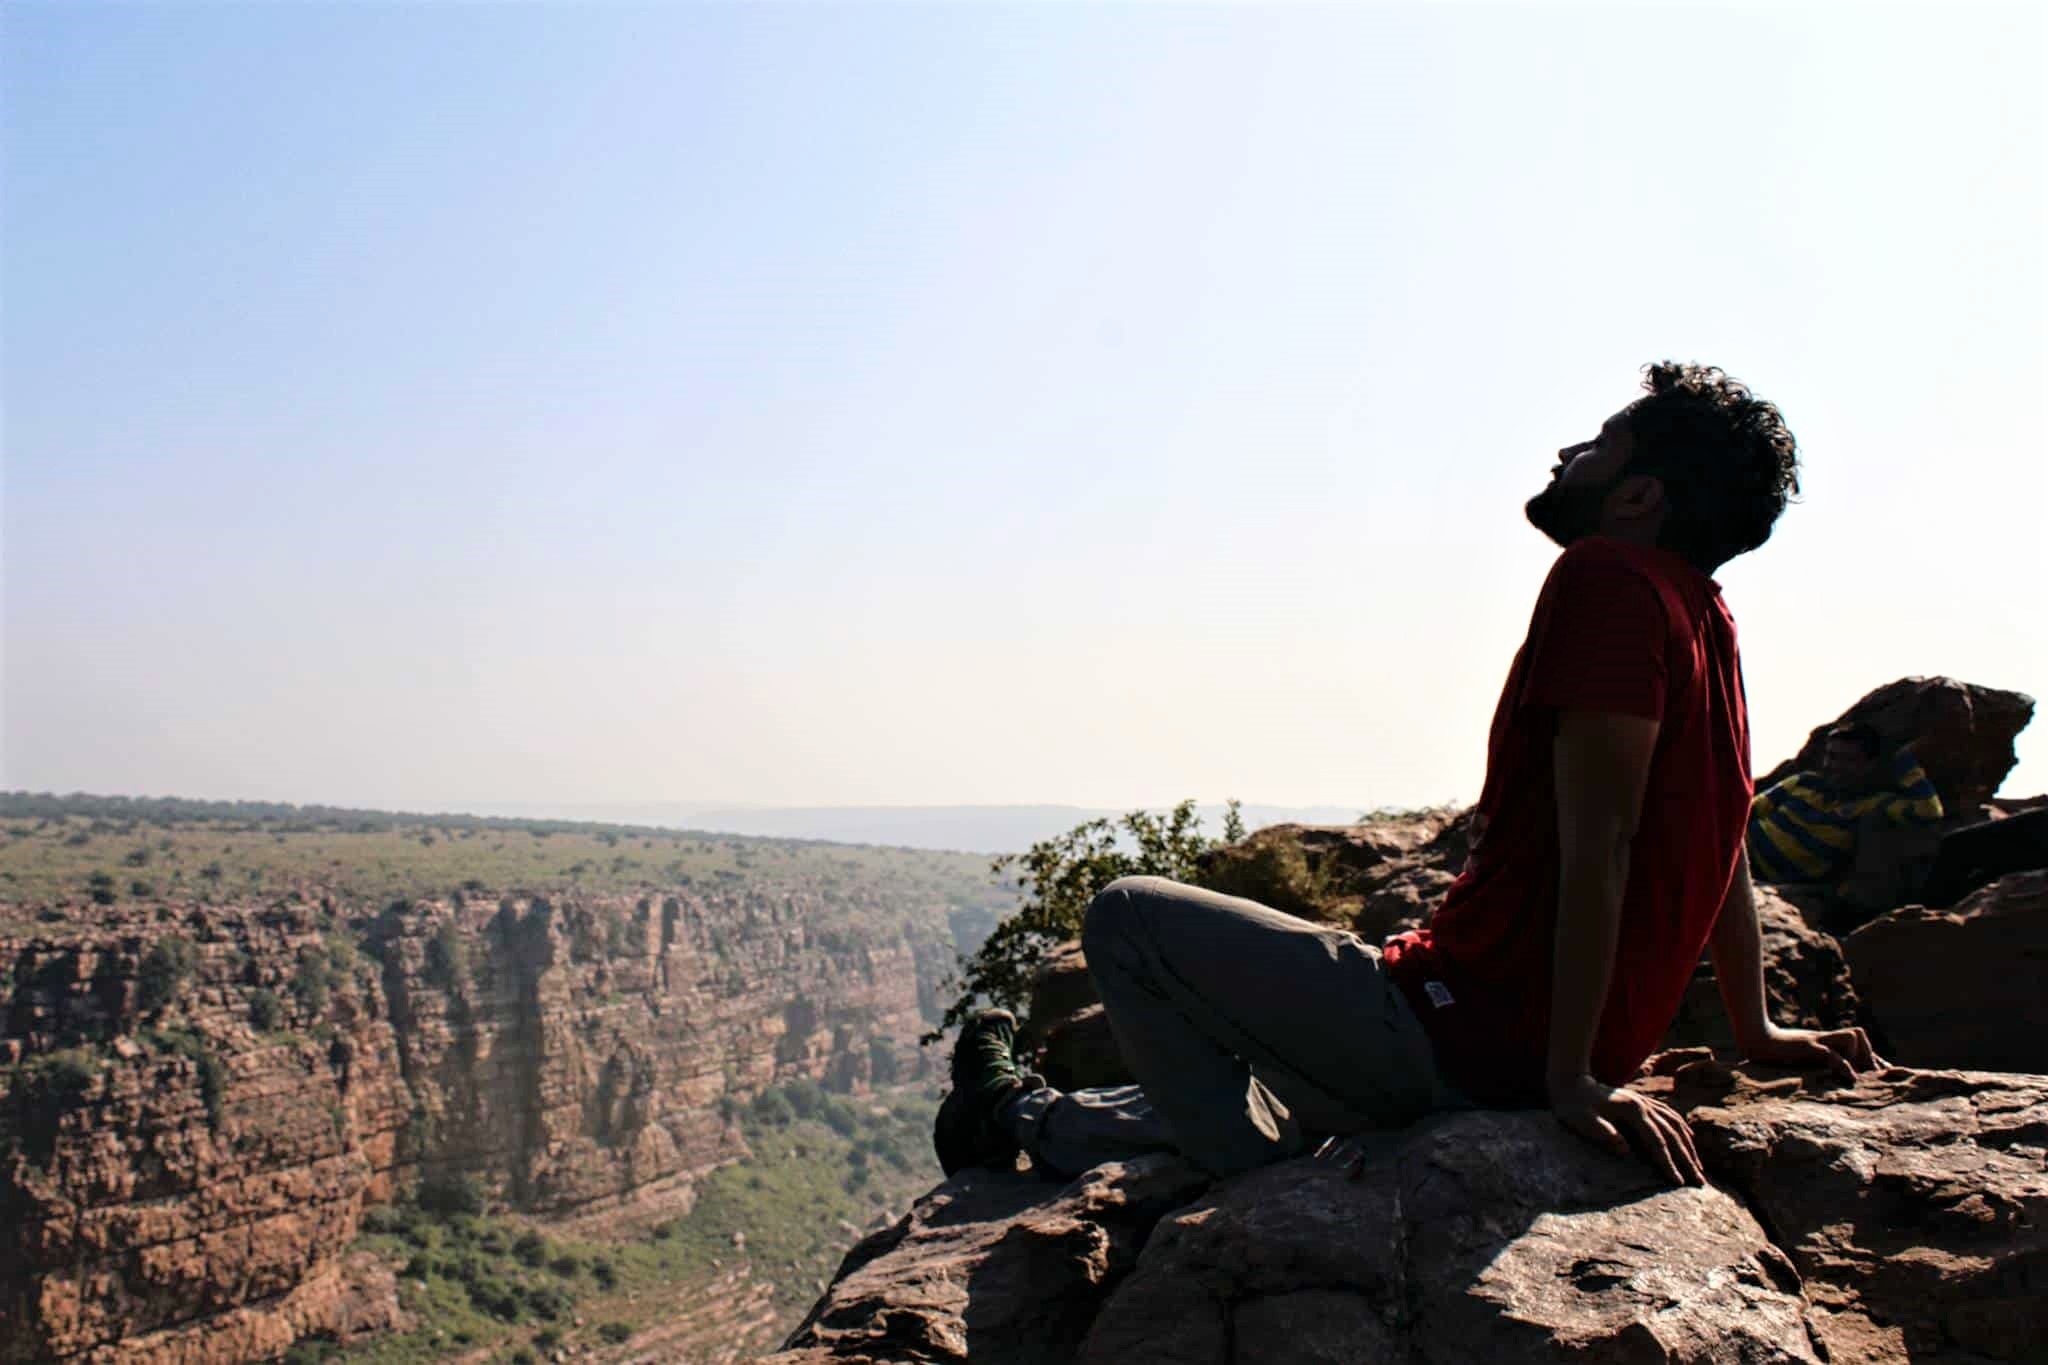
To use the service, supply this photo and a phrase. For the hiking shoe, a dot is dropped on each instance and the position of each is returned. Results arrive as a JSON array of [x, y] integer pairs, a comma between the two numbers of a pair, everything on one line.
[[985, 1077]]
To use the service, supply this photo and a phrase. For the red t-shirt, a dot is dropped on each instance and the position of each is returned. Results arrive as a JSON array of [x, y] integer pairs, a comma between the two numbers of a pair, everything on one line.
[[1621, 628]]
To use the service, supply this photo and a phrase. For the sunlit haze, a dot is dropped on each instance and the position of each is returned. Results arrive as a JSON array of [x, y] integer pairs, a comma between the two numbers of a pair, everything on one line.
[[437, 405]]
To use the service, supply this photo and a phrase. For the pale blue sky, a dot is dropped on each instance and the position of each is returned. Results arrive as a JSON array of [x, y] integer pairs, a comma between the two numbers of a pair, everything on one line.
[[422, 404]]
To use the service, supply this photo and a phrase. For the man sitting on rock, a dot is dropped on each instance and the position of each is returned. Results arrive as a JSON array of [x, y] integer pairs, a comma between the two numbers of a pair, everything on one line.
[[1805, 828], [1617, 791]]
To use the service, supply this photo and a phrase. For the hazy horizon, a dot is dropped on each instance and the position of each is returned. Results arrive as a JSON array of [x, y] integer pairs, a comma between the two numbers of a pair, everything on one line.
[[856, 406]]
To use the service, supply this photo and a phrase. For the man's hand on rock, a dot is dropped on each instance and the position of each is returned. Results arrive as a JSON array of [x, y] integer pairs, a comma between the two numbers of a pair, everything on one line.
[[1842, 1051], [1620, 1119]]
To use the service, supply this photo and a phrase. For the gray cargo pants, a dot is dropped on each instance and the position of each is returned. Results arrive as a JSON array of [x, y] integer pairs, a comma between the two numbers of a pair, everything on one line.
[[1251, 1032]]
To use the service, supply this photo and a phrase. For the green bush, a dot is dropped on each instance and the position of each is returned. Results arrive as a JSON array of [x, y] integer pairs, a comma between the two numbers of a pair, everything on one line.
[[772, 1108], [531, 1249], [495, 1297], [548, 1301], [314, 980], [841, 1117], [213, 1072], [166, 967], [68, 1073], [805, 1097], [383, 1221], [1058, 877], [451, 1195], [448, 958], [617, 1333], [266, 1011]]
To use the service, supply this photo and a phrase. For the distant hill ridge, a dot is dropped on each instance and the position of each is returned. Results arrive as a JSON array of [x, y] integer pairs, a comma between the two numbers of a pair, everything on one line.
[[965, 829], [958, 829]]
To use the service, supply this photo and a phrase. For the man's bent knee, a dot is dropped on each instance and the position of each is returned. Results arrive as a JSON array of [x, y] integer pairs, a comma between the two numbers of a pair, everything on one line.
[[1112, 914]]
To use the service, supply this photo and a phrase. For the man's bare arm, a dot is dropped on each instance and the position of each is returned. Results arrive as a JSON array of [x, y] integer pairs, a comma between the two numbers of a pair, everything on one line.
[[1737, 948], [1602, 763]]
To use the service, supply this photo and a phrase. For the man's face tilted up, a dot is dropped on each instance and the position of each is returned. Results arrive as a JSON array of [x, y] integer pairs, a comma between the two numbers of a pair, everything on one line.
[[1580, 500]]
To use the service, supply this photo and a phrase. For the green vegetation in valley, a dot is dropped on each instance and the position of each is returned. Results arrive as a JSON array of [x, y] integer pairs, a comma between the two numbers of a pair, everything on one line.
[[821, 1164]]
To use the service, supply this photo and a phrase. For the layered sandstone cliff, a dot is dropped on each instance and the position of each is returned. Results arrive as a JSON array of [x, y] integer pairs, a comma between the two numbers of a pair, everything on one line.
[[198, 1102]]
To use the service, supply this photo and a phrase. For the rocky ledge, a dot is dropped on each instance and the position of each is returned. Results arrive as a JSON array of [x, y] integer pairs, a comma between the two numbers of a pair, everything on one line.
[[1902, 1219]]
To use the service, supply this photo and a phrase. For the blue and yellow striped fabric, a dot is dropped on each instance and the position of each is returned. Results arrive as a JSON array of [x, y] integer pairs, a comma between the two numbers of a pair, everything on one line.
[[1803, 830]]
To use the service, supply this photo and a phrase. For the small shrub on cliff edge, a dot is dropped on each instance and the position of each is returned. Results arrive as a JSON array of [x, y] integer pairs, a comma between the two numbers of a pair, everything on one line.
[[266, 1011], [1059, 876], [165, 968], [448, 958], [45, 1089], [313, 982], [213, 1072]]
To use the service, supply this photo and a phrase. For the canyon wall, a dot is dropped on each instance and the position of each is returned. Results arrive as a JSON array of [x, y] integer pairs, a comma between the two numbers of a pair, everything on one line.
[[197, 1102]]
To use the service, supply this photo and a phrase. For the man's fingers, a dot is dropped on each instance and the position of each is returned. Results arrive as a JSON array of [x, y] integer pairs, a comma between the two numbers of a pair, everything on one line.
[[1608, 1136], [1682, 1149], [1651, 1141], [1596, 1130]]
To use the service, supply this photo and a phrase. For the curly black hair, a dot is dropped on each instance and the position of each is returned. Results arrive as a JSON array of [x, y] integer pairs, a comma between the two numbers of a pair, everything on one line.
[[1727, 461]]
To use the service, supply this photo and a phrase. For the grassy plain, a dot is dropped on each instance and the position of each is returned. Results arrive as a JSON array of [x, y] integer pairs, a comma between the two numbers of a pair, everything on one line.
[[82, 850]]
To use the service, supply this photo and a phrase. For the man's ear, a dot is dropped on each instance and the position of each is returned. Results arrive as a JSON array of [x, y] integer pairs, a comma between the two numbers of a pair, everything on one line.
[[1637, 497]]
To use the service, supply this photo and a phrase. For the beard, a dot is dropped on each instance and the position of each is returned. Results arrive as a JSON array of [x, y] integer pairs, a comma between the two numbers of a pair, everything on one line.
[[1569, 512]]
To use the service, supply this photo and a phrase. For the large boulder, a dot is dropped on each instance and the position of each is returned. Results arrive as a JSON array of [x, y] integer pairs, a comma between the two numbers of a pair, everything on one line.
[[1079, 1051], [1900, 1220], [993, 1266], [1963, 735], [1377, 878], [1914, 1203], [1964, 987], [1483, 1237]]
